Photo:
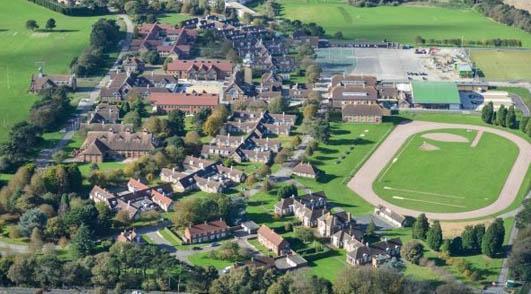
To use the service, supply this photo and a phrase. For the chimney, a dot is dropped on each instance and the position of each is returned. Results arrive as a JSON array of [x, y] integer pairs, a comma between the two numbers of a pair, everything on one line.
[[349, 217]]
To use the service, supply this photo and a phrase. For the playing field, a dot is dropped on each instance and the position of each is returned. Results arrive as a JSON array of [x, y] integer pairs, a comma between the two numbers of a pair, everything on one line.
[[22, 51], [433, 175], [401, 23], [503, 64]]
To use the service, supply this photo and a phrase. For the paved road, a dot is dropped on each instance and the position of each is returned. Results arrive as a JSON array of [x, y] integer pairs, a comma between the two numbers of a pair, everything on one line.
[[9, 248], [516, 99], [85, 105], [362, 181]]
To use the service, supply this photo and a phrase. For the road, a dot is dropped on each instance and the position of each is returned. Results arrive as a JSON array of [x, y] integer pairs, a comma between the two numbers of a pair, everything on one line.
[[363, 180], [520, 104], [85, 105]]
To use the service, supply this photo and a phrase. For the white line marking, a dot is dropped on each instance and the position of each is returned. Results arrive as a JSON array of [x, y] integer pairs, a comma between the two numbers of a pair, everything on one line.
[[427, 193], [431, 202]]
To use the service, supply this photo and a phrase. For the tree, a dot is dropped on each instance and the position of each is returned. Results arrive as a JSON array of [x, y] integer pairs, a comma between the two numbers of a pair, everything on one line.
[[36, 240], [309, 111], [501, 116], [313, 72], [278, 105], [250, 181], [412, 251], [82, 243], [213, 124], [469, 239], [50, 24], [176, 122], [22, 270], [264, 170], [338, 35], [420, 227], [371, 229], [287, 191], [487, 113], [133, 118], [523, 123], [523, 218], [31, 25], [510, 119], [528, 128], [456, 246], [520, 257], [434, 236], [33, 218], [305, 234], [49, 271], [493, 238], [452, 288]]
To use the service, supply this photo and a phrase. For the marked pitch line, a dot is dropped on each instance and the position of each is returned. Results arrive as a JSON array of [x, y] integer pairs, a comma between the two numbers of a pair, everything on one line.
[[430, 202], [426, 193]]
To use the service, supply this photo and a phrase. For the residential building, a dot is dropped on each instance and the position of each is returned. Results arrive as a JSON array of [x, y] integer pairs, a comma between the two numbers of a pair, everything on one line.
[[363, 113], [102, 145], [133, 64], [305, 170], [375, 254], [206, 232], [190, 103], [273, 241], [331, 222], [390, 216], [42, 81], [104, 114], [205, 70]]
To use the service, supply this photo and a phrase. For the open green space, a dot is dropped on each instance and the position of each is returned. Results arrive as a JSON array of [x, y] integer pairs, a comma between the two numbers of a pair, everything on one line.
[[170, 237], [399, 23], [503, 65], [22, 52], [455, 177], [349, 146], [203, 259], [174, 18]]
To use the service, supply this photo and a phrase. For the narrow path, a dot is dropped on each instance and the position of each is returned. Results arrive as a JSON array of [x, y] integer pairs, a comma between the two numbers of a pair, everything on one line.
[[476, 139], [363, 180]]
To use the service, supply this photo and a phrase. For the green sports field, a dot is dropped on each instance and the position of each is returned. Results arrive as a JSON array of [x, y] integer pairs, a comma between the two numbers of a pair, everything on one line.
[[401, 23], [503, 65], [21, 50], [454, 177]]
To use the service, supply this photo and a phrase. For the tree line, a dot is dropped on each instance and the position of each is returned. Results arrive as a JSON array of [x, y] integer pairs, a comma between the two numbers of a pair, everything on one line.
[[419, 40], [504, 13], [505, 117], [71, 10], [104, 38]]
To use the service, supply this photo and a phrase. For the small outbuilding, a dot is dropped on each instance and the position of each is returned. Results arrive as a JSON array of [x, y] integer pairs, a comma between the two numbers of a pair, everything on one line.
[[250, 227]]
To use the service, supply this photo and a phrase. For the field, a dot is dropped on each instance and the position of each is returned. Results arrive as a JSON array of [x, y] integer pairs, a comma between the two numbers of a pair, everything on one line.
[[22, 51], [338, 159], [402, 23], [435, 176], [503, 64]]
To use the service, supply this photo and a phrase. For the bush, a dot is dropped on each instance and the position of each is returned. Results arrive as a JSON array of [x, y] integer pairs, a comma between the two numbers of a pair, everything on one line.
[[412, 251]]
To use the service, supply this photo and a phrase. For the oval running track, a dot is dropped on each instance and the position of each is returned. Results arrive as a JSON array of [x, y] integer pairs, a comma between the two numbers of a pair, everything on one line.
[[363, 180]]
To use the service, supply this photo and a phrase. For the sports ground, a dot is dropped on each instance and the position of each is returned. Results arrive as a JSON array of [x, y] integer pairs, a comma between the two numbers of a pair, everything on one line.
[[468, 172], [23, 51], [502, 65], [401, 23]]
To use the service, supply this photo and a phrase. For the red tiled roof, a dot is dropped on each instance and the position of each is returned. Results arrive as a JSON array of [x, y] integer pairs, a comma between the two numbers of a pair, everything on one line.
[[207, 228], [270, 235], [182, 65], [184, 99], [160, 198], [137, 184]]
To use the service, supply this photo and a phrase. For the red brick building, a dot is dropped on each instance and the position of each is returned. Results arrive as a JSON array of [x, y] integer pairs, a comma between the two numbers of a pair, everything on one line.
[[189, 103], [208, 231], [205, 70]]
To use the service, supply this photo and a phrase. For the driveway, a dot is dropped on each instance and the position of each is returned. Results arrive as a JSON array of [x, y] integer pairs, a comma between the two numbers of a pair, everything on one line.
[[362, 181]]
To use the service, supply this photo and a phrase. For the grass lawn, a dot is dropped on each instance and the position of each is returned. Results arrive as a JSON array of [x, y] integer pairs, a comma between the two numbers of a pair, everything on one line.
[[454, 178], [339, 162], [400, 23], [21, 50], [330, 266], [174, 18], [260, 210], [202, 259], [503, 64], [170, 237], [85, 167]]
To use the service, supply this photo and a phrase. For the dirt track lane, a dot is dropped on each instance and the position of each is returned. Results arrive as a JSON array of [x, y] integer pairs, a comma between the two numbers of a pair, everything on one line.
[[362, 181]]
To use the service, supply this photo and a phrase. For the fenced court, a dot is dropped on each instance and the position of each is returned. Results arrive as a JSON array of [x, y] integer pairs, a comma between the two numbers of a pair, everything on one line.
[[336, 60]]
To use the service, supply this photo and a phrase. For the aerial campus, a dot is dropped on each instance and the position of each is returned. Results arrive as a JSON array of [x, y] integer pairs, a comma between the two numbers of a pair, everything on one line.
[[265, 146]]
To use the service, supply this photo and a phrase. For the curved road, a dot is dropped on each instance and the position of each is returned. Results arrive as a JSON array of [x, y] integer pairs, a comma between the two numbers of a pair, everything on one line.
[[362, 181]]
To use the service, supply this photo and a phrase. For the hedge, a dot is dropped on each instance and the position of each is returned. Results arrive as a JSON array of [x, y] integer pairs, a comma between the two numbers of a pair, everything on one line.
[[71, 11]]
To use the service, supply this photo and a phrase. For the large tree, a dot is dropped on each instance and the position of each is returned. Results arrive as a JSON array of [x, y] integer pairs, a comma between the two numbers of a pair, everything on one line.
[[493, 239], [31, 219], [50, 24], [82, 243], [31, 24], [487, 112], [412, 251], [434, 236], [510, 119], [501, 116], [420, 227]]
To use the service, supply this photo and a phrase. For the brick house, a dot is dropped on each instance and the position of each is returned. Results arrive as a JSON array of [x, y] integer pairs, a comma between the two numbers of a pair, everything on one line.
[[190, 103], [205, 232], [363, 113], [273, 241], [42, 82], [204, 70]]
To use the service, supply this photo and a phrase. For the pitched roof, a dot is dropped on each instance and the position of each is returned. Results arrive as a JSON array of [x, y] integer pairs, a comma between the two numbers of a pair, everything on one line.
[[354, 93], [184, 65], [125, 141], [184, 99], [270, 235], [305, 168], [362, 110], [207, 227]]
